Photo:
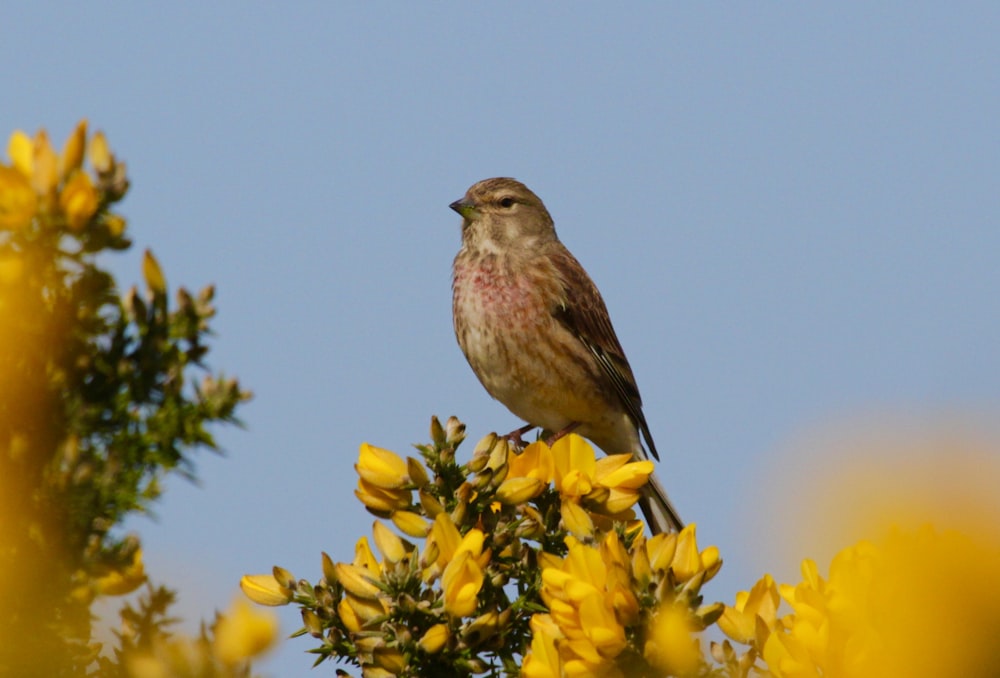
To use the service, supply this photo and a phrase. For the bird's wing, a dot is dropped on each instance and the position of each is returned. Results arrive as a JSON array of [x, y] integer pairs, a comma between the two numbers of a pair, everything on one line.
[[584, 314]]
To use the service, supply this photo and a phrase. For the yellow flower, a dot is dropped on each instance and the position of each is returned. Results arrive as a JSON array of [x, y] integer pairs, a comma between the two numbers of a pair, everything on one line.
[[889, 608], [756, 607], [17, 200], [410, 523], [434, 638], [45, 165], [461, 582], [393, 548], [574, 466], [383, 480], [623, 478], [357, 581], [679, 552], [153, 274], [517, 490], [78, 201], [100, 155], [535, 461], [543, 660], [462, 577], [671, 645], [264, 589], [576, 521], [71, 157], [582, 598], [381, 468], [11, 268], [21, 152], [126, 580], [244, 632]]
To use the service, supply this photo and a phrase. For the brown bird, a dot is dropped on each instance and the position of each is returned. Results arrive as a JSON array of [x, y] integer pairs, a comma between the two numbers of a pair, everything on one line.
[[536, 331]]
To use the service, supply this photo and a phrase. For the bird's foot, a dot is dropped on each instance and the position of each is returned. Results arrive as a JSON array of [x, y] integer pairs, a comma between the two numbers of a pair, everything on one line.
[[550, 441], [514, 437]]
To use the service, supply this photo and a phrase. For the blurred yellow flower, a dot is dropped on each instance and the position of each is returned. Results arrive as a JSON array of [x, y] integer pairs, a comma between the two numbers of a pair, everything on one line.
[[45, 165], [671, 644], [99, 153], [78, 200], [244, 632], [153, 274], [18, 201], [71, 158], [126, 580], [889, 608]]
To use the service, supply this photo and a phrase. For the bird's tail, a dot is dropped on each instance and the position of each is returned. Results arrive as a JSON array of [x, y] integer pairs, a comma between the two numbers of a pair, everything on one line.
[[660, 514]]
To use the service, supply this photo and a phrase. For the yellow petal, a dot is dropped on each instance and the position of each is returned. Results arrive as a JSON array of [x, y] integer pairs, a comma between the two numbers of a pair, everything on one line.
[[388, 543], [380, 500], [356, 580], [363, 557], [576, 520], [45, 165], [410, 523], [381, 468], [18, 201], [153, 274], [99, 154], [517, 490], [264, 589], [126, 580], [461, 582], [79, 200], [21, 153], [434, 638], [71, 157]]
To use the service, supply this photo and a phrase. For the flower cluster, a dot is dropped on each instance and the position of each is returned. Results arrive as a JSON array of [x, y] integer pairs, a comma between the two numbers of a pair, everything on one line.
[[888, 608], [529, 556], [98, 402], [601, 595], [42, 187]]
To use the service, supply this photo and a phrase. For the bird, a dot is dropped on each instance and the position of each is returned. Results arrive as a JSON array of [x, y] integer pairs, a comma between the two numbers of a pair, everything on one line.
[[536, 332]]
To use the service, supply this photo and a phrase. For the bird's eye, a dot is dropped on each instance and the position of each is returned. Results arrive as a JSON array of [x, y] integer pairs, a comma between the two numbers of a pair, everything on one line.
[[507, 202]]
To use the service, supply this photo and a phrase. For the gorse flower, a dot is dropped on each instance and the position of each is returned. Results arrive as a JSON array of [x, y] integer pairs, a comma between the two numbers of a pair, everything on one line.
[[55, 187], [531, 563], [529, 557], [888, 608]]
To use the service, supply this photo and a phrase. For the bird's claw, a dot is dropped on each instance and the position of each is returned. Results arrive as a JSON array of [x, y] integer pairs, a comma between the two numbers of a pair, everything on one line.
[[514, 437]]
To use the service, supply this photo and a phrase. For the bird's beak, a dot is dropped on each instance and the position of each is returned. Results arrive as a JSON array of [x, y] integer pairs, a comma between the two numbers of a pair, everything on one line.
[[463, 207]]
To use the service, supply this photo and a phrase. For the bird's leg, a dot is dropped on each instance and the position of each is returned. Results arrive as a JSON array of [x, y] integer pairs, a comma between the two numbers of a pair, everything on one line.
[[514, 437], [559, 434]]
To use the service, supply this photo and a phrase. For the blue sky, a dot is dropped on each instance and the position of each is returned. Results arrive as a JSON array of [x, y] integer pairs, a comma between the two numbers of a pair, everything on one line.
[[791, 210]]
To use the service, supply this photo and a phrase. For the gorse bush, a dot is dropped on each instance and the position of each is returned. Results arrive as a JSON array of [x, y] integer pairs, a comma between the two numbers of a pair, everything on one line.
[[100, 398]]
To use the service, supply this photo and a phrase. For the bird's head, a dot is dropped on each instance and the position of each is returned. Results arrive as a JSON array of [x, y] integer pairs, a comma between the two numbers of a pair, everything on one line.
[[501, 213]]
